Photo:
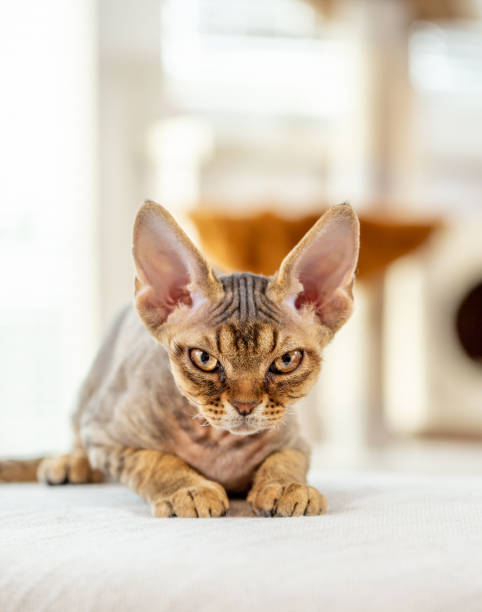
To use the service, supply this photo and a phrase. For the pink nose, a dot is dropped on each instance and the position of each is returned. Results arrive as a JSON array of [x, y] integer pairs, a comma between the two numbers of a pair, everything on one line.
[[244, 408]]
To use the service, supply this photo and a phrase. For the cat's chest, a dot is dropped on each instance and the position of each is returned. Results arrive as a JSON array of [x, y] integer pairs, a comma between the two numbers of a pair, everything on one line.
[[224, 457]]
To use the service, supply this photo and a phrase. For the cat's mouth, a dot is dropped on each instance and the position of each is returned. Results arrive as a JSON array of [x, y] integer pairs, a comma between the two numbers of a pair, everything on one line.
[[241, 427], [245, 426], [244, 429]]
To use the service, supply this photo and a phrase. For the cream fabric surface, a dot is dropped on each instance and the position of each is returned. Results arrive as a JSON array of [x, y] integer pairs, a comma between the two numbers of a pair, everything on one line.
[[389, 542]]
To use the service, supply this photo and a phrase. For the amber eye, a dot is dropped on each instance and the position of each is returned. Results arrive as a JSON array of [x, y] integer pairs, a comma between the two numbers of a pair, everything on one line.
[[287, 363], [203, 360]]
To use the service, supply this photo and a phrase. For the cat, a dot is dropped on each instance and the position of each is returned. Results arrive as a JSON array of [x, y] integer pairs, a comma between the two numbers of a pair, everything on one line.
[[190, 396]]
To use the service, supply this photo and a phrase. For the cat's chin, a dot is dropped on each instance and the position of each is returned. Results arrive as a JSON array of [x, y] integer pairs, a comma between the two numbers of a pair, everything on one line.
[[244, 429]]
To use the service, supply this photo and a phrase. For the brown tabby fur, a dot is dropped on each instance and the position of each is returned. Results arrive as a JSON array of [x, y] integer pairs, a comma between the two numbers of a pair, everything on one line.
[[149, 418]]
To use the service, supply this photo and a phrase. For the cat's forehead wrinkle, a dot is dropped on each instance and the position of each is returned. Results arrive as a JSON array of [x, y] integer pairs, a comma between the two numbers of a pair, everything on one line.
[[244, 300], [246, 338]]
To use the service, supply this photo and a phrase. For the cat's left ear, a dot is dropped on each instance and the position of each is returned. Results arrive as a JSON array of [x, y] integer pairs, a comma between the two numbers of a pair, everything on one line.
[[320, 270], [170, 269]]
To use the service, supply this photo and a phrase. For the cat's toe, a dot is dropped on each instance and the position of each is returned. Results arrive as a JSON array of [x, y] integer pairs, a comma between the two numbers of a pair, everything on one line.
[[316, 503], [193, 502], [162, 509], [293, 499], [264, 499], [301, 500], [73, 468], [54, 470]]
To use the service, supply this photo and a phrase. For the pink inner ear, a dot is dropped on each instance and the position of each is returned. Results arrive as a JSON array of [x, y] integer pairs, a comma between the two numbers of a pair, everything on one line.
[[165, 278], [324, 270], [168, 276], [326, 267], [307, 296], [163, 266], [170, 270]]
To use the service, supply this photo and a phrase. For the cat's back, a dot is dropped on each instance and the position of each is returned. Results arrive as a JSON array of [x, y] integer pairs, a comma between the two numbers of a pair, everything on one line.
[[128, 354]]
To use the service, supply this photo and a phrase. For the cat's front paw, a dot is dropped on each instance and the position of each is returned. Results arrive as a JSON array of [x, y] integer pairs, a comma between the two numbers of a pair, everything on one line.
[[199, 501], [275, 498]]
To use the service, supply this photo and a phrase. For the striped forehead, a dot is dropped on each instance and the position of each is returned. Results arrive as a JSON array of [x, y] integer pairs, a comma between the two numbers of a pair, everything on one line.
[[250, 340], [244, 301]]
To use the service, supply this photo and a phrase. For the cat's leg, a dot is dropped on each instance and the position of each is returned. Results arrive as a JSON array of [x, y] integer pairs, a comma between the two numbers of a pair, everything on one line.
[[170, 485], [73, 468], [279, 487]]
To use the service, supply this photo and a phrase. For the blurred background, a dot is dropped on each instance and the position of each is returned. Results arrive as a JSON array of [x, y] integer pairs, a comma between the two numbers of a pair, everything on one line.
[[247, 120]]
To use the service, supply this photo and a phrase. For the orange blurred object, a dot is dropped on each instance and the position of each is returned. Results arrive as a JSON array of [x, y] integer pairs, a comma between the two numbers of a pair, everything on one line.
[[259, 242]]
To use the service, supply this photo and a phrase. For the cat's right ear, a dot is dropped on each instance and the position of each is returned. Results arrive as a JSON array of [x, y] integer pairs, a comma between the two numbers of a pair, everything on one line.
[[170, 269]]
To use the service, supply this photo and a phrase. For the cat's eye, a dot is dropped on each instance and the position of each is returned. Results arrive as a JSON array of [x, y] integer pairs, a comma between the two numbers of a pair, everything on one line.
[[287, 363], [203, 360]]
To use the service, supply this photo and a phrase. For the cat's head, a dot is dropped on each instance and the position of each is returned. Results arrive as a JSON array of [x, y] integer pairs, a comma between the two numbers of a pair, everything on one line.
[[243, 347]]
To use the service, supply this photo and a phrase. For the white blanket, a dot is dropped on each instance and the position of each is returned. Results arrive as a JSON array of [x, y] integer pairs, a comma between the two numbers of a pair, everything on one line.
[[388, 543]]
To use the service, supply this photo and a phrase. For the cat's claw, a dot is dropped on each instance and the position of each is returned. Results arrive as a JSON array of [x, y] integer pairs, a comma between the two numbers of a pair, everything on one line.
[[275, 498], [192, 502]]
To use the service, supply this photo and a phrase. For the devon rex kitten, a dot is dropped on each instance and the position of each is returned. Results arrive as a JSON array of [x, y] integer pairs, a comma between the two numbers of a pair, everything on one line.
[[188, 397]]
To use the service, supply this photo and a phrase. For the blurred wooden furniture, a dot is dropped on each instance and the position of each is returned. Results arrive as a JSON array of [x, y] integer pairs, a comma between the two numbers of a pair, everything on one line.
[[417, 9], [259, 242]]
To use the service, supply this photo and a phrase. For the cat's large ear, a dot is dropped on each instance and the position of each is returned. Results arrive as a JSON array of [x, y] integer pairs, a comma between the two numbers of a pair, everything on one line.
[[170, 270], [320, 269]]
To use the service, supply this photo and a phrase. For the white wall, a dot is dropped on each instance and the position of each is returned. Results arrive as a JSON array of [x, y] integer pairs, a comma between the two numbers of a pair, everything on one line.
[[129, 103], [47, 197]]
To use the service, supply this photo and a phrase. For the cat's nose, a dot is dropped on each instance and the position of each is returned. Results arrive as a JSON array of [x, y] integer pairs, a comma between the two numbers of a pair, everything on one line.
[[244, 408]]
